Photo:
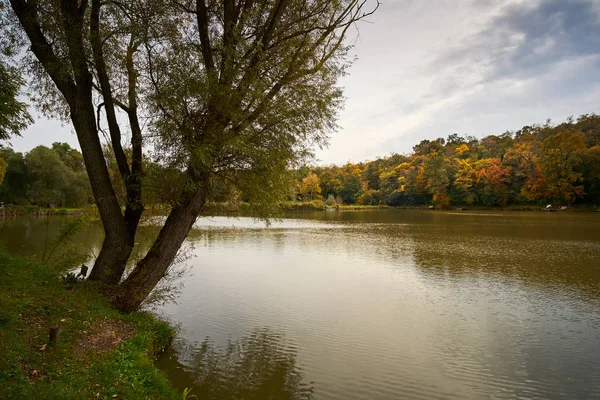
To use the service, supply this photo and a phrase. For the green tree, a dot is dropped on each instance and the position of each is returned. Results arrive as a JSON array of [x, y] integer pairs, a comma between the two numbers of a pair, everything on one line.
[[413, 185], [523, 158], [69, 156], [369, 197], [561, 157], [48, 176], [350, 184], [232, 93], [16, 180], [52, 182], [591, 173], [329, 181], [371, 174], [13, 113], [389, 182], [435, 168]]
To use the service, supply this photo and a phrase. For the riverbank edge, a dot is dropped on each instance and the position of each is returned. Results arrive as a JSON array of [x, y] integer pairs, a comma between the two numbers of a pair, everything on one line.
[[225, 209], [319, 206], [35, 211], [100, 353]]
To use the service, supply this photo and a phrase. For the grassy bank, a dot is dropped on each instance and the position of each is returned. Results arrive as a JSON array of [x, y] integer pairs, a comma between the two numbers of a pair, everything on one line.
[[100, 353], [16, 211]]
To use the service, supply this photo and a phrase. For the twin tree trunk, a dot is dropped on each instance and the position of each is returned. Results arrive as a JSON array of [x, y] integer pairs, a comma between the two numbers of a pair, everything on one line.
[[74, 80], [117, 247], [152, 268], [120, 229], [119, 240]]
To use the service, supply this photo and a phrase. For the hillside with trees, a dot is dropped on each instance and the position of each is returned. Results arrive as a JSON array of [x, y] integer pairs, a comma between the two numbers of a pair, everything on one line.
[[537, 164]]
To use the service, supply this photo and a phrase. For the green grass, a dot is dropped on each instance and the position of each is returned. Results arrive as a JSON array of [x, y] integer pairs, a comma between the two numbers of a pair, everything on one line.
[[32, 299], [12, 210]]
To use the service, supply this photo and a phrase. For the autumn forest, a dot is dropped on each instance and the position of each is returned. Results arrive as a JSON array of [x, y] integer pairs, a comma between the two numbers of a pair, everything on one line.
[[537, 164]]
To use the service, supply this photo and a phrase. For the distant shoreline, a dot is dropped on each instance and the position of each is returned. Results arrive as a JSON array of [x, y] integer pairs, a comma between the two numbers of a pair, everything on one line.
[[312, 206], [220, 209]]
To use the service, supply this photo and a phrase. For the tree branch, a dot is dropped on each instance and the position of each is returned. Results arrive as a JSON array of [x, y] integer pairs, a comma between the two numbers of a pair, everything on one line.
[[202, 19], [113, 125], [58, 70]]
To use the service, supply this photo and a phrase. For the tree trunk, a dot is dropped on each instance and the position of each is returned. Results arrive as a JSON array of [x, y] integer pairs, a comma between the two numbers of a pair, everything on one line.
[[117, 244], [76, 87], [152, 268]]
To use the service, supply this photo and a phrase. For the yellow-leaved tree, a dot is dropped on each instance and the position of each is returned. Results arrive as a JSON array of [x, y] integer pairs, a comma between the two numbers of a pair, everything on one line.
[[310, 188]]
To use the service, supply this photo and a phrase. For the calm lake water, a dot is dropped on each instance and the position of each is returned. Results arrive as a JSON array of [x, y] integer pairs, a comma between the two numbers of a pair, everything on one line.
[[380, 304]]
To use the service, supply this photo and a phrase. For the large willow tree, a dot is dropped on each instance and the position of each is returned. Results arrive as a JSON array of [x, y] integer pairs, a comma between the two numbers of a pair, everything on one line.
[[229, 94]]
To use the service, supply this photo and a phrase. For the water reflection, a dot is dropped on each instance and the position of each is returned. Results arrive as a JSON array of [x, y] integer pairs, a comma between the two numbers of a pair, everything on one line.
[[389, 304], [33, 237], [418, 305], [553, 253], [260, 365]]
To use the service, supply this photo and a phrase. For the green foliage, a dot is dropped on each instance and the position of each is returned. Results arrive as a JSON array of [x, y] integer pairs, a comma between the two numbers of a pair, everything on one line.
[[369, 197], [48, 177], [70, 255], [69, 156], [45, 177], [396, 199], [14, 117], [350, 185], [560, 160], [231, 95], [14, 185]]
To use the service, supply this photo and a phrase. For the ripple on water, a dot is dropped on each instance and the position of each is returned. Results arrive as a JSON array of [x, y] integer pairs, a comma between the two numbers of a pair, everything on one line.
[[453, 308]]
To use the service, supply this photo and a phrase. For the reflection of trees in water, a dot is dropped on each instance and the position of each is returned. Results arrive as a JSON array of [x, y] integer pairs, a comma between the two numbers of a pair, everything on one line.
[[566, 266], [257, 366]]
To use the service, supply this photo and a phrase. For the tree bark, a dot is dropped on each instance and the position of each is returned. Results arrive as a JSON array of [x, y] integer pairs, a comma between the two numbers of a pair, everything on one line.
[[115, 251], [116, 247], [152, 268]]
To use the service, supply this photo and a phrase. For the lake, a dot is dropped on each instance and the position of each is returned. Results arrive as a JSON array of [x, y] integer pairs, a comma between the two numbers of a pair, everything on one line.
[[379, 304]]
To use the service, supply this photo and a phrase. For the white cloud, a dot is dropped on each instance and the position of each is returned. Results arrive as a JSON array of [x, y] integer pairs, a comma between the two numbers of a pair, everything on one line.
[[476, 68]]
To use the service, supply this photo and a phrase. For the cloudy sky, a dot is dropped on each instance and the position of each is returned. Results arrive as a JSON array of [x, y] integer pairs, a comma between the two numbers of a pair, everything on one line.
[[427, 69]]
